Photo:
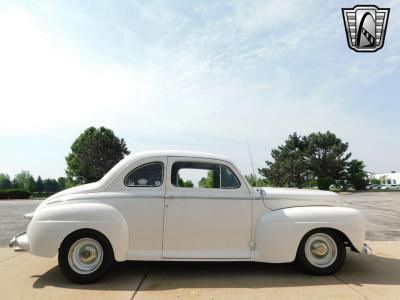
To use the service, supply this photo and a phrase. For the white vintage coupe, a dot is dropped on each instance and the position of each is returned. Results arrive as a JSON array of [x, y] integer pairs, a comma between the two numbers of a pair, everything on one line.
[[189, 206]]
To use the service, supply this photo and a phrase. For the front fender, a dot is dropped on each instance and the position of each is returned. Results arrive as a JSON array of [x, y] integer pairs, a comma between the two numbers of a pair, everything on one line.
[[51, 224], [279, 232]]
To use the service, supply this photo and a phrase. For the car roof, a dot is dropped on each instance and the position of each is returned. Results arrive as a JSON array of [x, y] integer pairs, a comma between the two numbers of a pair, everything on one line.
[[157, 153], [180, 153]]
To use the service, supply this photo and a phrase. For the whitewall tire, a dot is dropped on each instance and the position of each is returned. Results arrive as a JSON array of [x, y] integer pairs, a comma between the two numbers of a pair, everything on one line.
[[85, 256], [321, 252]]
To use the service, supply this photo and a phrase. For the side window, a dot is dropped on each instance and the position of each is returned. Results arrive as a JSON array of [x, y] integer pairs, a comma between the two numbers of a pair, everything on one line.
[[196, 174], [228, 178], [148, 175]]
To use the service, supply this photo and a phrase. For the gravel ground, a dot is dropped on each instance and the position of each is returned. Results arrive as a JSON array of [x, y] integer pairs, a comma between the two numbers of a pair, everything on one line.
[[382, 211]]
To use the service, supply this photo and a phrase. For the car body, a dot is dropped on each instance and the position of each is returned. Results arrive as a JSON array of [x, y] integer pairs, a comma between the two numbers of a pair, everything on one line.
[[376, 186], [141, 210], [389, 187], [373, 186]]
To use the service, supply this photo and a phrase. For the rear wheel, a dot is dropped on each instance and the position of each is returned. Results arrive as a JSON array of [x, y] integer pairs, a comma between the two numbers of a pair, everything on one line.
[[321, 252], [85, 256]]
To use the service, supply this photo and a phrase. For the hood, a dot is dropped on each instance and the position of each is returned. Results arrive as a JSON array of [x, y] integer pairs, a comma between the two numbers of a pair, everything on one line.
[[278, 198], [81, 189]]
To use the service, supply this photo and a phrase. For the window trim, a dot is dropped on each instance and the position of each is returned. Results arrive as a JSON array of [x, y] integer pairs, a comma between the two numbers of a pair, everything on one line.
[[194, 161], [220, 176], [142, 166], [237, 179]]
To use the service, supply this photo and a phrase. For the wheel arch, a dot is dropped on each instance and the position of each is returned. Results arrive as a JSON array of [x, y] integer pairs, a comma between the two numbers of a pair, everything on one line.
[[88, 230], [278, 233], [346, 241], [51, 225]]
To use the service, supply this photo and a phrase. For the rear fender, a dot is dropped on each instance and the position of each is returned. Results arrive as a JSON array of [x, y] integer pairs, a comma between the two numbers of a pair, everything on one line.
[[52, 224]]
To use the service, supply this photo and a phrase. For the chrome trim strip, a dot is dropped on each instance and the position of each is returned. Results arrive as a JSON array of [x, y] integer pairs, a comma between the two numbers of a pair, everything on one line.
[[108, 196], [212, 197], [159, 196]]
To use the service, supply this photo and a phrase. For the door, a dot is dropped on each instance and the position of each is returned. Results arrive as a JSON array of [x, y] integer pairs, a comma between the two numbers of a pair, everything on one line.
[[207, 211], [139, 196]]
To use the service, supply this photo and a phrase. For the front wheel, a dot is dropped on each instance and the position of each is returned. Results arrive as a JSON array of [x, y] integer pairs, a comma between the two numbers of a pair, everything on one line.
[[321, 252], [85, 256]]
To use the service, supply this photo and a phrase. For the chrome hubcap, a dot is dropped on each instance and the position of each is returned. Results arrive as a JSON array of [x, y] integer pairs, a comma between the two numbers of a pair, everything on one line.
[[321, 250], [85, 256]]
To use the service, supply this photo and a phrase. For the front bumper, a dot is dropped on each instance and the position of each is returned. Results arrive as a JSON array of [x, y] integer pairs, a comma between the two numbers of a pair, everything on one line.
[[20, 242], [366, 249]]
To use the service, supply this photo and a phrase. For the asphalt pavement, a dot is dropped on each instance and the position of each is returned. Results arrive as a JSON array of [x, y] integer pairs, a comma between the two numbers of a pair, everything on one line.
[[382, 211], [12, 219], [24, 276]]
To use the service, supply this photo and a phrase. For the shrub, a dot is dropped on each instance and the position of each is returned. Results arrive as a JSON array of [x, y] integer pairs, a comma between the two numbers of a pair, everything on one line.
[[14, 194], [324, 183], [37, 195]]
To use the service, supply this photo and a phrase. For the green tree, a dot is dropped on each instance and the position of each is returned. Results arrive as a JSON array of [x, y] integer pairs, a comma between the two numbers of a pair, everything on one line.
[[212, 180], [207, 182], [50, 185], [374, 181], [289, 167], [93, 154], [356, 175], [184, 183], [383, 179], [63, 183], [5, 182], [255, 181], [327, 157], [39, 185], [304, 160], [24, 180]]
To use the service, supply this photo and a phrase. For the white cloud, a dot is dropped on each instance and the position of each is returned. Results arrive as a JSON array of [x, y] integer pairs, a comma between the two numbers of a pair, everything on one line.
[[260, 70], [49, 87]]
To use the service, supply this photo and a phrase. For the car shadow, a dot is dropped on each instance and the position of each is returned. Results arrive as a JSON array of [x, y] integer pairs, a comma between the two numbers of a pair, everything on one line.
[[153, 276]]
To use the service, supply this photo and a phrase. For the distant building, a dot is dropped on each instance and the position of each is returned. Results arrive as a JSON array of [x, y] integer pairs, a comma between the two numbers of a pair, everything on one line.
[[386, 179]]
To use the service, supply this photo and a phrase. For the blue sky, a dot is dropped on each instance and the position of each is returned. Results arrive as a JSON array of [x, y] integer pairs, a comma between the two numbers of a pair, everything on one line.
[[192, 75]]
